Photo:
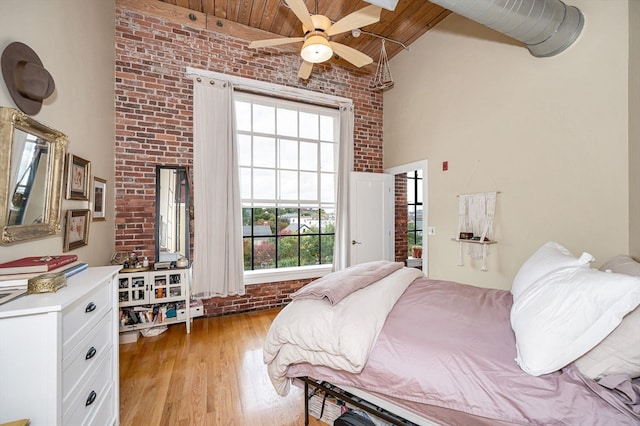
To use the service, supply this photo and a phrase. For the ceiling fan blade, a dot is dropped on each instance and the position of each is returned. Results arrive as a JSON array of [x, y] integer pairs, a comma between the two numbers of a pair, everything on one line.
[[350, 54], [358, 19], [305, 70], [274, 41], [300, 9]]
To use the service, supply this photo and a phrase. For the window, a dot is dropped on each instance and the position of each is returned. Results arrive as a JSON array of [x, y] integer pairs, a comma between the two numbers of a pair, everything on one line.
[[414, 209], [287, 158]]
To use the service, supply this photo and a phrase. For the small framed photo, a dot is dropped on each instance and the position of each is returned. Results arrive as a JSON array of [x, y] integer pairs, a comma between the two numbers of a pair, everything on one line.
[[76, 232], [99, 199], [78, 175]]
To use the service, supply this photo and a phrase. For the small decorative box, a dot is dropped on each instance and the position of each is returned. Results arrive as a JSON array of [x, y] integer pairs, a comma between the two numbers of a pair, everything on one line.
[[46, 283], [466, 235]]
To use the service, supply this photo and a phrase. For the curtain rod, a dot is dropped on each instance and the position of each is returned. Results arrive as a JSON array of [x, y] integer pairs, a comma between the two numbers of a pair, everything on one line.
[[497, 192], [264, 87]]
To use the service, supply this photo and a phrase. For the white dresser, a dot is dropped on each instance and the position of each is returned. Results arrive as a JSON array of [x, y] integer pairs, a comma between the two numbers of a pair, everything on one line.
[[59, 353]]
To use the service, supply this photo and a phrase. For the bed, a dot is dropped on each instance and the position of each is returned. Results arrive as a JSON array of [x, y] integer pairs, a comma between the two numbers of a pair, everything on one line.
[[444, 353]]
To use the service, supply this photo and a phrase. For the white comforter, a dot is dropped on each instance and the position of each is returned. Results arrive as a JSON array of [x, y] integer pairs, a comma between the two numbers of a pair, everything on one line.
[[338, 336]]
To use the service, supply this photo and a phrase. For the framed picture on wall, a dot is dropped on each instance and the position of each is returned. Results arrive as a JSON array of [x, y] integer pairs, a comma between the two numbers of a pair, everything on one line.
[[78, 175], [76, 231], [99, 199]]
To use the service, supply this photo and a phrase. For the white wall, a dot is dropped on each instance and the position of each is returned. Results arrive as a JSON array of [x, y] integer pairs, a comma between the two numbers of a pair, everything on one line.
[[75, 40], [551, 134]]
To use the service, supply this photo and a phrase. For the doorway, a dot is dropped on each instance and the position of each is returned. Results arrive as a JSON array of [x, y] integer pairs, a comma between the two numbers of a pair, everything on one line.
[[411, 214]]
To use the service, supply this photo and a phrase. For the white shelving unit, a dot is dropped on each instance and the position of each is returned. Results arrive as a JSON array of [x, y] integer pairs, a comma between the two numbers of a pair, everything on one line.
[[147, 298]]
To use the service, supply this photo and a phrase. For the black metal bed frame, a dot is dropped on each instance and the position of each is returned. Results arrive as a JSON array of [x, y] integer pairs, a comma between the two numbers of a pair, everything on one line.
[[347, 397]]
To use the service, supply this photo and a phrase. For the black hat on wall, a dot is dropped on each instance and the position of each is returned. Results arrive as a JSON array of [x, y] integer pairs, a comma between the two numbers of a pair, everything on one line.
[[29, 83]]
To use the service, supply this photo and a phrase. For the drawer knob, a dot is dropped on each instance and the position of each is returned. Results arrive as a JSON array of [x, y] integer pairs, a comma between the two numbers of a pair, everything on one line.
[[90, 353], [91, 399], [90, 307]]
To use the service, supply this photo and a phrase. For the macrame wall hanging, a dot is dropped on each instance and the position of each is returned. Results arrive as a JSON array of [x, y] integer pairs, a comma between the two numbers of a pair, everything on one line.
[[475, 225]]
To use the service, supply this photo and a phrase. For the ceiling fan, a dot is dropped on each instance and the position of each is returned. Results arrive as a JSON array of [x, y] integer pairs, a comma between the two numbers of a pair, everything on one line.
[[318, 29]]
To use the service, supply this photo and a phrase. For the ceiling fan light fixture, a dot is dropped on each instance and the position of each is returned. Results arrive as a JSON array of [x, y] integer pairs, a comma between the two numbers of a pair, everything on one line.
[[316, 49]]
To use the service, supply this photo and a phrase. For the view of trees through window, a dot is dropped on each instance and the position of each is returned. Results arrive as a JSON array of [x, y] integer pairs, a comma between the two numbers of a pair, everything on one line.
[[287, 237], [287, 154]]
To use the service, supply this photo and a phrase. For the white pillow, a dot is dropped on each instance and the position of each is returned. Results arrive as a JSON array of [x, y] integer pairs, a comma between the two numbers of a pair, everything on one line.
[[549, 257], [564, 314], [619, 352], [622, 265]]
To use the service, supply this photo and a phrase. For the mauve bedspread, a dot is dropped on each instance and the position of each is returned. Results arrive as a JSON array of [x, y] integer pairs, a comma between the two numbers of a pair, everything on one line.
[[448, 349]]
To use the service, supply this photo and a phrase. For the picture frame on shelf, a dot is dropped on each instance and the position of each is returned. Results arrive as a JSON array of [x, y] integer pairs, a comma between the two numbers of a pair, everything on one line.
[[99, 199], [76, 231], [78, 175]]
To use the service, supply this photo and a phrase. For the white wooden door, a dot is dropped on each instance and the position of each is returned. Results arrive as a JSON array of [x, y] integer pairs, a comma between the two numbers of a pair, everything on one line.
[[371, 217]]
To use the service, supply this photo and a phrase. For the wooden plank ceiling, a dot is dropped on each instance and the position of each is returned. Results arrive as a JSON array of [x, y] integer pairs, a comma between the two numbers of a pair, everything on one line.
[[410, 20]]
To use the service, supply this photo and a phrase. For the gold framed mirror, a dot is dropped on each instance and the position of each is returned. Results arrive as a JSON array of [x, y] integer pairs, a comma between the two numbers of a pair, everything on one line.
[[32, 175]]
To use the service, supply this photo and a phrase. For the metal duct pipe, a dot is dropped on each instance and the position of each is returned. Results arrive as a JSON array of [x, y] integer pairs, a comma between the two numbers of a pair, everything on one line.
[[546, 27]]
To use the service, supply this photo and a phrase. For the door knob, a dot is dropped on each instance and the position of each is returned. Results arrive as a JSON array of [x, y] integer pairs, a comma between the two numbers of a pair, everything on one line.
[[354, 242]]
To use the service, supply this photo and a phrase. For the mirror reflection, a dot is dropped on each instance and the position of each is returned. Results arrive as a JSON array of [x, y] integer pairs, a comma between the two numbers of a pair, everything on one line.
[[32, 162], [28, 179], [172, 214]]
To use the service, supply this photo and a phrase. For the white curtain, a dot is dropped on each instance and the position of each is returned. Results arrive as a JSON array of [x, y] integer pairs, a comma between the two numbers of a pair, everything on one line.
[[218, 264], [345, 165]]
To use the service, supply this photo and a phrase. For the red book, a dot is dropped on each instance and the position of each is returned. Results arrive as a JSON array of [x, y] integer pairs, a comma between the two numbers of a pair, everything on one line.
[[36, 264]]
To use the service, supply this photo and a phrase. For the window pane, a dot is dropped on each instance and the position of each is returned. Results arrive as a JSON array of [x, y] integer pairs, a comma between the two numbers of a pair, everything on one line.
[[244, 150], [310, 221], [411, 187], [288, 222], [264, 152], [327, 130], [308, 156], [309, 250], [308, 186], [328, 220], [246, 222], [287, 122], [264, 222], [264, 250], [419, 190], [264, 184], [246, 251], [288, 152], [326, 249], [327, 187], [245, 183], [287, 252], [308, 125], [288, 185], [264, 119], [243, 116], [327, 151]]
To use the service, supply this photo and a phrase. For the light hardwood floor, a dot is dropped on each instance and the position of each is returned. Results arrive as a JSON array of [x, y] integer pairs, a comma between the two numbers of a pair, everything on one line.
[[213, 376]]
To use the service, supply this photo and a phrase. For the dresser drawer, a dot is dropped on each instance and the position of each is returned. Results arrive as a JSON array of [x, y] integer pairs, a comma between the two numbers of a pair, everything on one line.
[[90, 395], [79, 360], [105, 413], [84, 314]]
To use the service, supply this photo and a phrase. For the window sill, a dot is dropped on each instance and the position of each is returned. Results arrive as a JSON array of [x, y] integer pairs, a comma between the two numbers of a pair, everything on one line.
[[286, 274]]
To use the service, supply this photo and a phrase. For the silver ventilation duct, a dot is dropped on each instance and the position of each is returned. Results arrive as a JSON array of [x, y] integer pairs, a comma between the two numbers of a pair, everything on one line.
[[546, 27]]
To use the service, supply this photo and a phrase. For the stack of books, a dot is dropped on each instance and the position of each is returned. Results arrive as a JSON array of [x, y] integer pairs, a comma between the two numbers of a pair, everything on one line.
[[14, 275]]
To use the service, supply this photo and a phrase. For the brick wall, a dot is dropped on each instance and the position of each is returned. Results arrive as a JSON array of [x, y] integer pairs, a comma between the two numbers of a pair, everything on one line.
[[401, 213], [154, 120]]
